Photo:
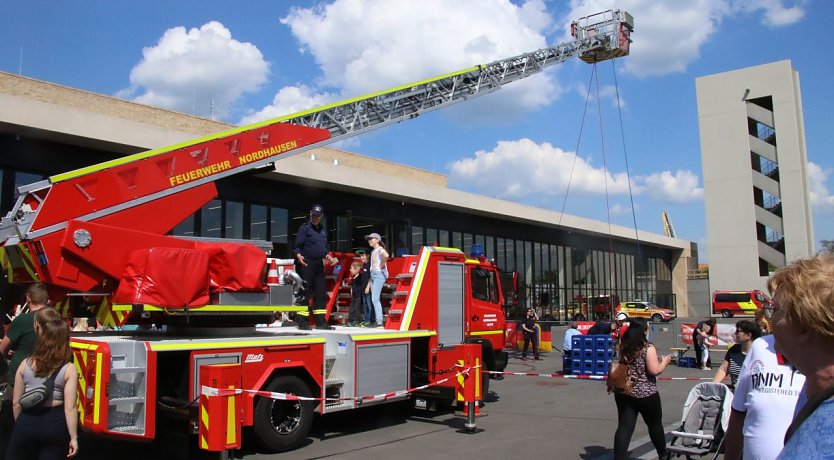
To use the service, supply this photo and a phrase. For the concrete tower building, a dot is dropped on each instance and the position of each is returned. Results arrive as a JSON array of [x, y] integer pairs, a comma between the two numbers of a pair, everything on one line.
[[758, 211]]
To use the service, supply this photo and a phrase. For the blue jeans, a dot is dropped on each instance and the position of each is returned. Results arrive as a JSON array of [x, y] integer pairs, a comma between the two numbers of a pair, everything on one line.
[[368, 306], [378, 278]]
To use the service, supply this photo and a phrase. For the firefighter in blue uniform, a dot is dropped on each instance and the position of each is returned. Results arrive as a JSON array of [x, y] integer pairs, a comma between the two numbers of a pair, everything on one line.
[[310, 251]]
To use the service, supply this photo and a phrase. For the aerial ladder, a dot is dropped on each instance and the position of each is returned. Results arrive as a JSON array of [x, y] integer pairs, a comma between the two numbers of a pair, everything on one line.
[[668, 230], [77, 231]]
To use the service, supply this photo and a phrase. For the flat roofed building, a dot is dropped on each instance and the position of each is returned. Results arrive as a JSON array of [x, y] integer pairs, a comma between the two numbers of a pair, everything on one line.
[[758, 211], [47, 129]]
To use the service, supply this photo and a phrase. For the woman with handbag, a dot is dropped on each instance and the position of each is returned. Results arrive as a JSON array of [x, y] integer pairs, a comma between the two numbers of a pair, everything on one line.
[[639, 395], [50, 429]]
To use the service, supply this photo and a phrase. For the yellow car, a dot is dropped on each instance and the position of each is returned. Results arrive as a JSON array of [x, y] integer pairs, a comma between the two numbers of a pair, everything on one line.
[[647, 310]]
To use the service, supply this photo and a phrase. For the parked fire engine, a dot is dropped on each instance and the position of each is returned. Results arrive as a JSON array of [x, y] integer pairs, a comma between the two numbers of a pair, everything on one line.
[[98, 236]]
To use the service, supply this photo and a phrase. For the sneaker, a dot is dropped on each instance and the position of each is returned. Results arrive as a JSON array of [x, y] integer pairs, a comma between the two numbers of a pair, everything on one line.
[[304, 326], [538, 358], [325, 327], [706, 368], [524, 358]]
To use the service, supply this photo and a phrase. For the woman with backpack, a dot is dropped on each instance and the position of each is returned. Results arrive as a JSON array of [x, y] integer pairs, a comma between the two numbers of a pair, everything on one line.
[[641, 396], [48, 430]]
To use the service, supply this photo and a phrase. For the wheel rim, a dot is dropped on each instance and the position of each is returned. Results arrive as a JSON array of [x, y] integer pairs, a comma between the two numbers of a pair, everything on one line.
[[285, 416]]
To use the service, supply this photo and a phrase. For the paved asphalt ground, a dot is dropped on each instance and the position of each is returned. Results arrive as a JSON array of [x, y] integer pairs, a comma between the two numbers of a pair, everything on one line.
[[525, 417]]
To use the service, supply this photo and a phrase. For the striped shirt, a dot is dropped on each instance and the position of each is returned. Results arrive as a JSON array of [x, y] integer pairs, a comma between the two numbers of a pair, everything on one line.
[[735, 358]]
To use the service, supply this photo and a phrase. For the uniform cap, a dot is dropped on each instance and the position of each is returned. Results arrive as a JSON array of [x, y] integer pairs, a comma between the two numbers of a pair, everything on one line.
[[317, 210], [373, 235]]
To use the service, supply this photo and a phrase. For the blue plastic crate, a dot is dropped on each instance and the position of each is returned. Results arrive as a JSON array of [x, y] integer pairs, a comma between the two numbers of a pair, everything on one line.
[[603, 355], [601, 367], [602, 342], [588, 341], [576, 370], [686, 361], [587, 367], [576, 353], [588, 354], [567, 365], [576, 342]]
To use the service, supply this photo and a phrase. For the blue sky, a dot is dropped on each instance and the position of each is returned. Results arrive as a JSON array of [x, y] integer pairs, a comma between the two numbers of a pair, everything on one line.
[[243, 62]]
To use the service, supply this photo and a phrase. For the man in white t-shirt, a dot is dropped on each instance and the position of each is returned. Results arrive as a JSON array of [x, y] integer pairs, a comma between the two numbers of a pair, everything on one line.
[[763, 403]]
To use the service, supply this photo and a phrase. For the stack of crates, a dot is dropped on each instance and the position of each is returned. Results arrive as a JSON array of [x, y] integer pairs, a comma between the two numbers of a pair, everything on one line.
[[590, 355], [686, 361]]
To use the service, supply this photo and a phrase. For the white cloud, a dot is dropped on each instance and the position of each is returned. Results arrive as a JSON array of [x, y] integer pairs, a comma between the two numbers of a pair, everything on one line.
[[289, 100], [363, 46], [606, 93], [776, 14], [189, 70], [522, 169], [821, 198], [669, 35], [677, 188], [619, 210]]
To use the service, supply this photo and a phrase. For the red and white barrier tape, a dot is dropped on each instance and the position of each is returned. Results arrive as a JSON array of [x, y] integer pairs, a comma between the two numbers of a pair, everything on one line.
[[583, 376], [209, 391]]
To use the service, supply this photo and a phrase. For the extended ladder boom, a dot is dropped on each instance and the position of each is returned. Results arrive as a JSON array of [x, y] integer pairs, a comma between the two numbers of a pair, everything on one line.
[[115, 186]]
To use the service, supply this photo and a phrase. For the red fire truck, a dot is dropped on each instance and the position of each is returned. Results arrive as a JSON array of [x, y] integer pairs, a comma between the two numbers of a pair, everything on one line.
[[98, 236]]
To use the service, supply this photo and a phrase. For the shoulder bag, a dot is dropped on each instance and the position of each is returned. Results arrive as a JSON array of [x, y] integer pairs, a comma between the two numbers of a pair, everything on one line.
[[33, 397], [618, 381]]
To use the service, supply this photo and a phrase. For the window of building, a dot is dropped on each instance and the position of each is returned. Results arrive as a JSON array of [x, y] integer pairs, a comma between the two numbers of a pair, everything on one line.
[[509, 251], [186, 227], [432, 237], [233, 225], [457, 240], [211, 217], [279, 231], [257, 222], [467, 243], [400, 245], [417, 241], [443, 239], [25, 178]]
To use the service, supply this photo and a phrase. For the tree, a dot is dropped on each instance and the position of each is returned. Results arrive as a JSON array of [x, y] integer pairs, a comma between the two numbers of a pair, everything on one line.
[[827, 246]]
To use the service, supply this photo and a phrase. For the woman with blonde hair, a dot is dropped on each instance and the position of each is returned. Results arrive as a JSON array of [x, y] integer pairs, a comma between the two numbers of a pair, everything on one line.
[[50, 430]]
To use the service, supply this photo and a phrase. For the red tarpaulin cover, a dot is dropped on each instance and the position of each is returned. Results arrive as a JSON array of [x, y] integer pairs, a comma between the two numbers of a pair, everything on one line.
[[165, 277], [234, 267]]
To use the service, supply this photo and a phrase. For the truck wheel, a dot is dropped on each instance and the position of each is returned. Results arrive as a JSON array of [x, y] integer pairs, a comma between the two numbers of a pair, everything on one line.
[[726, 314], [657, 318], [281, 425]]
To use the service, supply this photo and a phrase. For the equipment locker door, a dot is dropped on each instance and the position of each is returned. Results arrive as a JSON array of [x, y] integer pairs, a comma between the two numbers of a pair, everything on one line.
[[450, 303]]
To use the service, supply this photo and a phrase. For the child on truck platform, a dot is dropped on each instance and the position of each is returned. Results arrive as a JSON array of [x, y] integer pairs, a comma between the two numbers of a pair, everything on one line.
[[357, 291]]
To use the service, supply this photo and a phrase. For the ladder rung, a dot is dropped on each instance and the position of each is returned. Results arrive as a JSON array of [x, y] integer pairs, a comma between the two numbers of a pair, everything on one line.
[[395, 312], [405, 275], [400, 293]]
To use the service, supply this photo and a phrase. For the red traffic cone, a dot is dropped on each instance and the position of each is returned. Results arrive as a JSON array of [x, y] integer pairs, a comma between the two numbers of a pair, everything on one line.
[[272, 274]]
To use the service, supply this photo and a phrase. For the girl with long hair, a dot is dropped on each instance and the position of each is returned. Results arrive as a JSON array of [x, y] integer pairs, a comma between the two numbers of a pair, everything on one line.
[[643, 366], [49, 431], [379, 273]]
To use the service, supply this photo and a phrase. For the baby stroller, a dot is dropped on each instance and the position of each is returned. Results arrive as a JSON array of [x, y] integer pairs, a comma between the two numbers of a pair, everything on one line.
[[705, 416]]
